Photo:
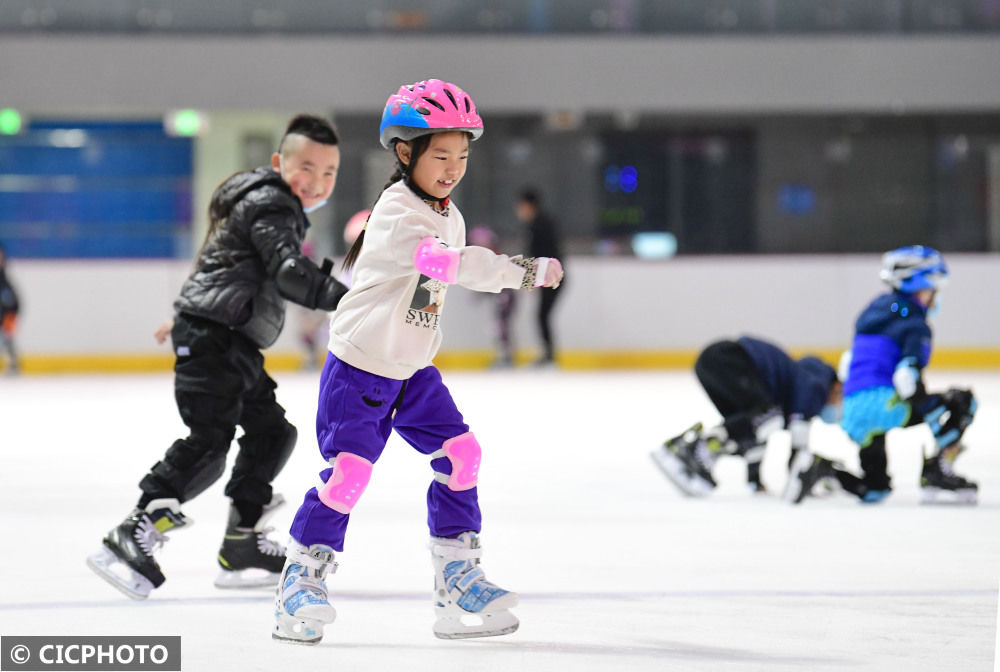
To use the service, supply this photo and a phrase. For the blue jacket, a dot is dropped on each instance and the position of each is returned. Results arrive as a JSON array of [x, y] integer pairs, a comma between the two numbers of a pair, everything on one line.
[[800, 386], [893, 327]]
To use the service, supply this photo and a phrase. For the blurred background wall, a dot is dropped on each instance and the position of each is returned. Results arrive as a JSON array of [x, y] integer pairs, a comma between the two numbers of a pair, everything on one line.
[[768, 149]]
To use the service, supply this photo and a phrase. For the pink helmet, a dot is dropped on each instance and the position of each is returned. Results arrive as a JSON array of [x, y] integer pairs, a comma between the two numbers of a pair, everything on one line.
[[428, 107]]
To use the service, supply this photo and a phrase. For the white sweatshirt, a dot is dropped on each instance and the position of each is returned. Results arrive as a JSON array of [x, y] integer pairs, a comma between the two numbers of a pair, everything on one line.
[[389, 323]]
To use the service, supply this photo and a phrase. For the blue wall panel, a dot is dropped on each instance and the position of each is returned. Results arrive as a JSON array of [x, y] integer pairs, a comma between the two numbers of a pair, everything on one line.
[[95, 190]]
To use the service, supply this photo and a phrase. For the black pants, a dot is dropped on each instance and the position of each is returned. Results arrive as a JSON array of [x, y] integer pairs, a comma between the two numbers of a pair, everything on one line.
[[545, 305], [735, 386], [219, 383]]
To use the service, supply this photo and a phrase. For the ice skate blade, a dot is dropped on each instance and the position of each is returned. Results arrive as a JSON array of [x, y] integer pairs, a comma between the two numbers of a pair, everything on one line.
[[675, 470], [110, 567], [297, 642], [939, 497], [827, 486], [246, 578], [297, 630], [471, 626]]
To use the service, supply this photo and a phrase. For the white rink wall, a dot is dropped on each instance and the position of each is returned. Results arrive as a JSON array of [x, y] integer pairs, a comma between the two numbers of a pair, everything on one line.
[[101, 308]]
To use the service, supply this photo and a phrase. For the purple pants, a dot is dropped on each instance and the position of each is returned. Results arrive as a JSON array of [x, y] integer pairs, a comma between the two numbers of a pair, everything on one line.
[[357, 411]]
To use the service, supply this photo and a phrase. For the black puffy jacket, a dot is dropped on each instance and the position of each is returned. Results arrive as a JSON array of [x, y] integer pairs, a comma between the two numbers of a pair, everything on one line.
[[233, 281]]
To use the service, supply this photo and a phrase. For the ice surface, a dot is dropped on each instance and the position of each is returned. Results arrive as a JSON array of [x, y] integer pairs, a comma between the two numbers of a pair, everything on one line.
[[615, 569]]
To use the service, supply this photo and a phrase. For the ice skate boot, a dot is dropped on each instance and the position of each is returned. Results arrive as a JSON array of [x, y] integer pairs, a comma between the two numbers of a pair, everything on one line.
[[875, 496], [247, 557], [465, 603], [687, 461], [939, 484], [301, 602], [126, 560], [807, 470]]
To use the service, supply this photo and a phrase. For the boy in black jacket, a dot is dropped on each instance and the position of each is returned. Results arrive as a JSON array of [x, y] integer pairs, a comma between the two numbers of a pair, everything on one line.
[[230, 307], [758, 389]]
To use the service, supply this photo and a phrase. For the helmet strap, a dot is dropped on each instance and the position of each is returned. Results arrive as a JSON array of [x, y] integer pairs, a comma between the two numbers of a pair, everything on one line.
[[424, 196]]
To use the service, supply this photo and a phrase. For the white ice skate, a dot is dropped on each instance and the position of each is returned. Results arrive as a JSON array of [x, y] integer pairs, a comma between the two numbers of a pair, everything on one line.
[[301, 603], [466, 604], [248, 558]]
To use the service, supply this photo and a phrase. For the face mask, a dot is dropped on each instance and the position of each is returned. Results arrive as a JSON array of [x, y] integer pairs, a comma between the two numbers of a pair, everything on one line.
[[830, 414]]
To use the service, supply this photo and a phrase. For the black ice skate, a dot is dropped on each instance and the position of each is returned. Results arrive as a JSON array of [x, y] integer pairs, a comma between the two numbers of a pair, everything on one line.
[[805, 472], [247, 557], [939, 484], [687, 461], [126, 560]]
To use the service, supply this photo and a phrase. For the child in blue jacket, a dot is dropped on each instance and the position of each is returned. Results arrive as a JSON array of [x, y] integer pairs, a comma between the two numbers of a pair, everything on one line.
[[884, 388]]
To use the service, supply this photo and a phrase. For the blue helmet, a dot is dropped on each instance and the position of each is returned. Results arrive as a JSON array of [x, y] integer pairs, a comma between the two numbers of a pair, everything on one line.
[[910, 269]]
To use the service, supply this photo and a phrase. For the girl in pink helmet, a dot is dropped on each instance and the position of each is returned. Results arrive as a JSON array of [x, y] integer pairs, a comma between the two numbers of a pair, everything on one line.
[[379, 376]]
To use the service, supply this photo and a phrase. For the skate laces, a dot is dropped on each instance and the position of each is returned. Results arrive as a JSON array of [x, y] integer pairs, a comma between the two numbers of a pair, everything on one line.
[[704, 455], [147, 536], [944, 464], [268, 546]]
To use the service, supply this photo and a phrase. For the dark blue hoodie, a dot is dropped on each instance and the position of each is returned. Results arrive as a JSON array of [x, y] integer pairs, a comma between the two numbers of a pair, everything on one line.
[[799, 386]]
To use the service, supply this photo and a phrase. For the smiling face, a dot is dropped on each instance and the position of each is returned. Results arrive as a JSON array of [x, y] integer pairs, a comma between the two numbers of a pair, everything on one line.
[[441, 167], [309, 167]]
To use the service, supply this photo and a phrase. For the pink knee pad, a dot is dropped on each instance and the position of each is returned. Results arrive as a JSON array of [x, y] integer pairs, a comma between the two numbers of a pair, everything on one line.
[[347, 482], [465, 454], [436, 260]]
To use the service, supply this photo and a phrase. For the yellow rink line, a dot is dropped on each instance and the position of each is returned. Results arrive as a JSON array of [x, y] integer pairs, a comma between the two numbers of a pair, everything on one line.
[[574, 360]]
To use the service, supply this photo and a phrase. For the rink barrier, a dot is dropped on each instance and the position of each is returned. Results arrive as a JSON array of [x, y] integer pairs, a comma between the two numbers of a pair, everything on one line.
[[471, 360], [945, 358]]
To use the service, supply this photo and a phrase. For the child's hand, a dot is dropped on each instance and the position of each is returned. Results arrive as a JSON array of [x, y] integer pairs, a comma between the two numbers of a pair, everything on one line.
[[553, 274], [542, 271], [906, 377], [163, 332]]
